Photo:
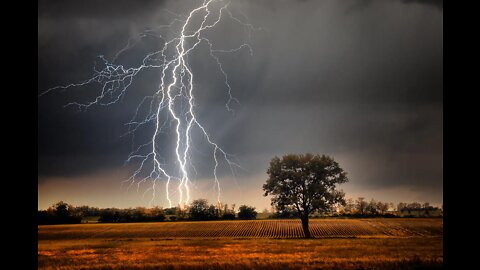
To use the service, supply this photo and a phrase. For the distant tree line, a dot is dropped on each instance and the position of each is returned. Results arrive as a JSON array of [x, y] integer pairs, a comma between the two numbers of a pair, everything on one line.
[[138, 214], [363, 208], [417, 209], [59, 213], [373, 208], [64, 213]]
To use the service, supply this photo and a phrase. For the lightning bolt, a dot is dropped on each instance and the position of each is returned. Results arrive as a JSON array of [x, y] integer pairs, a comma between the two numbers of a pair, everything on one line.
[[171, 104]]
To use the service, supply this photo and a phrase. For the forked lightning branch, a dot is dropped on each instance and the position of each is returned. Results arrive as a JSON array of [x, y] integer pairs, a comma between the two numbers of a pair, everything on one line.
[[172, 104]]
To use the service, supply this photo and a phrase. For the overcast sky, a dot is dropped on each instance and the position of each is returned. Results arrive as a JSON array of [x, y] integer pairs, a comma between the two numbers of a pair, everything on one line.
[[361, 81]]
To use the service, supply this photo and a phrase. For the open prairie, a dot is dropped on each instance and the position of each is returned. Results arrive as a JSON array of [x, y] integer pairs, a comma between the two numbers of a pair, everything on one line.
[[259, 244]]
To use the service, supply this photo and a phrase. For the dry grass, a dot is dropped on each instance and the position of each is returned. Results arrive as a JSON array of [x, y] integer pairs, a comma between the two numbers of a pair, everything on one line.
[[85, 247]]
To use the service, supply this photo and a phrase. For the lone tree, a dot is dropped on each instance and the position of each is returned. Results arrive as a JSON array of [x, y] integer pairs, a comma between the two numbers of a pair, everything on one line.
[[306, 183]]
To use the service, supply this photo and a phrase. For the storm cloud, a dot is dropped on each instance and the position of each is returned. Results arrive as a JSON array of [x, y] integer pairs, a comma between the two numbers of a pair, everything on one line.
[[361, 81]]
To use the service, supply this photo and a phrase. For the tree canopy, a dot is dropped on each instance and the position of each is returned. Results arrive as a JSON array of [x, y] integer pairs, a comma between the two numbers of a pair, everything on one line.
[[306, 183], [247, 212]]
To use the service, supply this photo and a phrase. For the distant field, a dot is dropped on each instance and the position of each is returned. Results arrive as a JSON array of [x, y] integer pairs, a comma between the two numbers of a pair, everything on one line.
[[255, 228], [258, 244]]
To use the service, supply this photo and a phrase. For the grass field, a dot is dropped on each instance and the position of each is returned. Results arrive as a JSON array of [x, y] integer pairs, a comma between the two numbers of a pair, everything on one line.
[[261, 244]]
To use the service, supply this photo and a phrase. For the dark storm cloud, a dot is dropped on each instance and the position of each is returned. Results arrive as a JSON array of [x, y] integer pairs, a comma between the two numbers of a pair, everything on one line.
[[435, 3], [364, 86], [361, 4], [95, 9]]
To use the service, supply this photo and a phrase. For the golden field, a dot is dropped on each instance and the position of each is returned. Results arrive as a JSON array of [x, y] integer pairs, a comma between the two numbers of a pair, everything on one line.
[[259, 244]]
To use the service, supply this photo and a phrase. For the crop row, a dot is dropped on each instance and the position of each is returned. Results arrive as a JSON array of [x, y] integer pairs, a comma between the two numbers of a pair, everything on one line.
[[251, 229]]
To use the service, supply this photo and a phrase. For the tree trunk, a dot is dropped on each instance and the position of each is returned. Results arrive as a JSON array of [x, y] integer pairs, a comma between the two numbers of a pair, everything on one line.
[[306, 231]]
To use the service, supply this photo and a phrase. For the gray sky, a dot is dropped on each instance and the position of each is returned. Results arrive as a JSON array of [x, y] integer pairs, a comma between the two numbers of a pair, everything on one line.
[[361, 81]]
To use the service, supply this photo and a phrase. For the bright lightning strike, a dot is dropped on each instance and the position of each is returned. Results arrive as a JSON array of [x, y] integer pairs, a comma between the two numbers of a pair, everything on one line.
[[172, 104]]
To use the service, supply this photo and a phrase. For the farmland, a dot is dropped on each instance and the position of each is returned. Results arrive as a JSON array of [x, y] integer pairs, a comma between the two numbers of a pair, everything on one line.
[[338, 243]]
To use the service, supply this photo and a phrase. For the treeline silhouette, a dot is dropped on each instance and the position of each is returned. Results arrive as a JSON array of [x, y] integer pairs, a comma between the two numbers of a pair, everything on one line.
[[361, 208], [64, 213], [373, 208]]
